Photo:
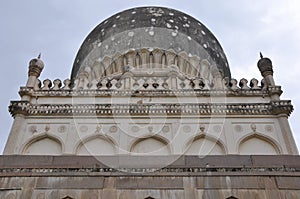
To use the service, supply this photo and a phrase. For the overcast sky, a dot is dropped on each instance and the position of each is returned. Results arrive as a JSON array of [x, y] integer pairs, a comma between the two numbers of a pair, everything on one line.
[[56, 28]]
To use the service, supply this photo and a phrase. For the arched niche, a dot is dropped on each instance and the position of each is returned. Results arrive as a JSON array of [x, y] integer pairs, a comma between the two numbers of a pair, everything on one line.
[[257, 145], [150, 146], [96, 145], [44, 145], [204, 145]]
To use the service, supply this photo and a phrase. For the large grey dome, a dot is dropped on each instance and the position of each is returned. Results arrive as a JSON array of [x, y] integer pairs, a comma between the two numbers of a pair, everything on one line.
[[150, 27]]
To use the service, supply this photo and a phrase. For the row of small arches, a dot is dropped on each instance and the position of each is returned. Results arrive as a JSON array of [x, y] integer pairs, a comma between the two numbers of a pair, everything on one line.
[[148, 59], [199, 145]]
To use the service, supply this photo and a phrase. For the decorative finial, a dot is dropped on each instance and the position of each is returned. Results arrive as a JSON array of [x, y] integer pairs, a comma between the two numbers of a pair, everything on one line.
[[265, 66], [39, 56], [261, 55]]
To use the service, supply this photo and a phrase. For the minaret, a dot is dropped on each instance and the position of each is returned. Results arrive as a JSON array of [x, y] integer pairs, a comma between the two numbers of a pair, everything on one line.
[[266, 69], [36, 66]]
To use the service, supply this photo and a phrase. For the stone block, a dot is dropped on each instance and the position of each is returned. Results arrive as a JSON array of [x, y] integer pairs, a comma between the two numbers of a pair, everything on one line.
[[267, 182], [275, 161], [109, 193], [291, 182], [228, 182], [89, 194], [150, 161], [149, 183], [21, 161], [217, 161], [127, 182], [127, 194], [160, 183], [11, 183], [190, 193], [109, 182], [70, 182]]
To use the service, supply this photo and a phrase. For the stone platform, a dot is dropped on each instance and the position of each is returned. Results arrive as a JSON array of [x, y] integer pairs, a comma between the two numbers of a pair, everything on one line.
[[158, 177]]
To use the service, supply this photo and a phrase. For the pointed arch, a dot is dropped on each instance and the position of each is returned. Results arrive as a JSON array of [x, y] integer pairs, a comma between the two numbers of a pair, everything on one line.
[[44, 144], [258, 144], [153, 145], [204, 144], [97, 144]]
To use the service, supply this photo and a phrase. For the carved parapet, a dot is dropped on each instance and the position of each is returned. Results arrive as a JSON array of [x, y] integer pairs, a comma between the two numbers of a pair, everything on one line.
[[254, 84], [46, 85], [67, 84], [233, 85], [57, 85], [243, 84], [152, 84]]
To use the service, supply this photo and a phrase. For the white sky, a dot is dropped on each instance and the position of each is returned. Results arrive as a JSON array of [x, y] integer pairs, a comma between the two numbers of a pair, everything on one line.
[[58, 27]]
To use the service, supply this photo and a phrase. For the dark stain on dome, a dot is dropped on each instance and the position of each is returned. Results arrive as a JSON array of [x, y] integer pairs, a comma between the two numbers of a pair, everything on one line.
[[154, 17]]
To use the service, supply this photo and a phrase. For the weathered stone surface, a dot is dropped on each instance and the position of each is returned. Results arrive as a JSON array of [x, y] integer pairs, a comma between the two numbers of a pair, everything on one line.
[[149, 183], [70, 182], [218, 161], [289, 182], [172, 161], [109, 193], [90, 194], [275, 161]]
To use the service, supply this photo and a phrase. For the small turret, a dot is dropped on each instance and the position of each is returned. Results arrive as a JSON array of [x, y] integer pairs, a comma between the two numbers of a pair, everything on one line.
[[36, 66], [266, 69]]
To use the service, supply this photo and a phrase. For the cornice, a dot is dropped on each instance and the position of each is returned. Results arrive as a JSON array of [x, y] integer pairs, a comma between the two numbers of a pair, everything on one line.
[[272, 108]]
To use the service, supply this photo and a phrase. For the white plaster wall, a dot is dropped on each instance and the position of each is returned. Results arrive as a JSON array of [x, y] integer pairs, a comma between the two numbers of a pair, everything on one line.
[[166, 135]]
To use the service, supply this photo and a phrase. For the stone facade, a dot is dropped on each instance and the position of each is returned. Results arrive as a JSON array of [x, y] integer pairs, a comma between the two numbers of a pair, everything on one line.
[[167, 94], [150, 111]]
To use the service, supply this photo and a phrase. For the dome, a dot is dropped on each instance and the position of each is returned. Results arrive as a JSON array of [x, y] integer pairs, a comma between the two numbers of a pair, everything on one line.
[[150, 28]]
